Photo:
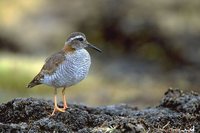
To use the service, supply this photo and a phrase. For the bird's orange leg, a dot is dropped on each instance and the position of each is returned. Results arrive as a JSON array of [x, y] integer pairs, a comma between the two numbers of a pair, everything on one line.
[[64, 99], [56, 108]]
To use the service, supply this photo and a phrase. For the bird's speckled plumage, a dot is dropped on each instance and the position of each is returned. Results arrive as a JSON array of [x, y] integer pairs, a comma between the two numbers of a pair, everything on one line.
[[66, 67], [72, 70]]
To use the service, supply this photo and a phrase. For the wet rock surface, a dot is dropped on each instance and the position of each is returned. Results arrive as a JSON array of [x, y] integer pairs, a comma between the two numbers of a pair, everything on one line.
[[177, 111]]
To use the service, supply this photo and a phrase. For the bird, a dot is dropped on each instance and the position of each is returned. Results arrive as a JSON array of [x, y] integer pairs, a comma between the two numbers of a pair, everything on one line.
[[66, 67]]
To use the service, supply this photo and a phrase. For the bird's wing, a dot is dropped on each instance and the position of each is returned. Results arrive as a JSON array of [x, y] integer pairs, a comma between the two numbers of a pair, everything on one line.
[[49, 67], [53, 62]]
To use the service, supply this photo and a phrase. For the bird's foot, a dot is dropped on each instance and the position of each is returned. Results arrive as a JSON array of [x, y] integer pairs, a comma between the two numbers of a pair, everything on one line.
[[65, 106], [57, 109]]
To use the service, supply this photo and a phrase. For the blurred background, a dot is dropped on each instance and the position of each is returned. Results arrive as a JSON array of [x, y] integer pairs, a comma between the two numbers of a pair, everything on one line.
[[147, 47]]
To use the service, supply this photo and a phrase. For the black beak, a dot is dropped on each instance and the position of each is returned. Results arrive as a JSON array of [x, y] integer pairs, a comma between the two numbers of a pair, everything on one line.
[[93, 47]]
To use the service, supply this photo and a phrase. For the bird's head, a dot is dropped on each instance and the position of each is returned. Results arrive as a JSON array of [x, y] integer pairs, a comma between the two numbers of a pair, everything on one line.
[[77, 40]]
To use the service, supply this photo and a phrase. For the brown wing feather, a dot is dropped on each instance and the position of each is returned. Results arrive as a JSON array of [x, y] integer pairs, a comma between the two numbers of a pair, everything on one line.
[[49, 67], [52, 62]]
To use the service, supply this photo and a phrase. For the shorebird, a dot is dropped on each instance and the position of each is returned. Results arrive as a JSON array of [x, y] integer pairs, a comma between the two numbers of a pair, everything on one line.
[[65, 68]]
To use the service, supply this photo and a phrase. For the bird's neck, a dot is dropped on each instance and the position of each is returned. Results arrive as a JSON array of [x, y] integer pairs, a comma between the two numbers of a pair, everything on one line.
[[68, 48]]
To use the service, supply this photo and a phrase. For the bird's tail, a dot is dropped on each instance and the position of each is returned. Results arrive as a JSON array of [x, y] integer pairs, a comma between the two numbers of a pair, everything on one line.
[[32, 84], [35, 81]]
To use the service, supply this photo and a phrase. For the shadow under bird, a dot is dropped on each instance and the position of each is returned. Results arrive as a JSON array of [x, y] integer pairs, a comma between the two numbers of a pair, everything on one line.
[[65, 68]]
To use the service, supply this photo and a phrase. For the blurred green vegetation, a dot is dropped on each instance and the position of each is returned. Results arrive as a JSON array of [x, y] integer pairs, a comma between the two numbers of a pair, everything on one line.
[[18, 70], [147, 47]]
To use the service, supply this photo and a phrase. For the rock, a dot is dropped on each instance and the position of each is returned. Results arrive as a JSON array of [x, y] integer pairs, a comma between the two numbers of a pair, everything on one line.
[[177, 111], [181, 102]]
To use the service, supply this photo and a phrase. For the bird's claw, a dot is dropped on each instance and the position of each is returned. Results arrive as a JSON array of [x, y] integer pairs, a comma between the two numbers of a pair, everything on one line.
[[57, 109]]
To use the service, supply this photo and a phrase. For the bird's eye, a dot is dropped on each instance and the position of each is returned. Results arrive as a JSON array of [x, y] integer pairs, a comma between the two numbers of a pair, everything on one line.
[[79, 39]]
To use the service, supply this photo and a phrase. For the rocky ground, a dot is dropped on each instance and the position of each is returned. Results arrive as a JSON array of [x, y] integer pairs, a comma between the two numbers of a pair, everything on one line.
[[177, 112]]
